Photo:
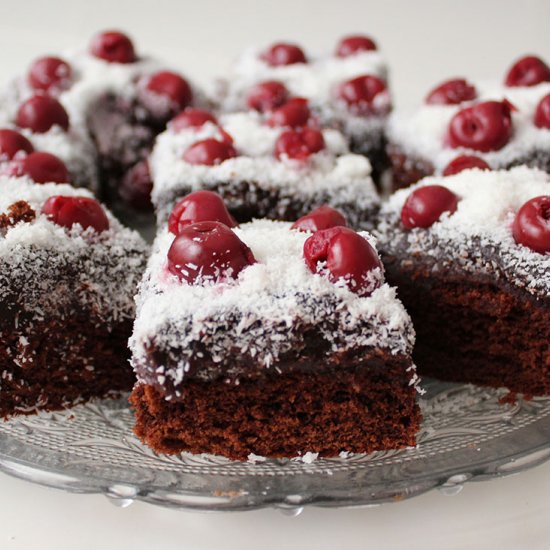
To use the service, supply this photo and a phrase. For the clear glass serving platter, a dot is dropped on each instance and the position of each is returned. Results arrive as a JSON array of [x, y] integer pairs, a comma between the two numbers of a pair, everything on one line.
[[467, 434]]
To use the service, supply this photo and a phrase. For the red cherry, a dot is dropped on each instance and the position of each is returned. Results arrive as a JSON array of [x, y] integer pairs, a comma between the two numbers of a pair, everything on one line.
[[199, 206], [483, 127], [166, 93], [191, 118], [11, 142], [531, 225], [321, 218], [542, 114], [49, 72], [350, 45], [425, 205], [343, 254], [40, 113], [299, 144], [359, 93], [294, 113], [136, 186], [208, 250], [464, 162], [267, 96], [452, 92], [113, 46], [528, 71], [209, 151], [69, 211], [283, 54], [41, 167]]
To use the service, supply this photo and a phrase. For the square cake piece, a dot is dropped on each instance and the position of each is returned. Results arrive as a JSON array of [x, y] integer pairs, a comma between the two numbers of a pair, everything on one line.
[[68, 273], [470, 255], [271, 341], [483, 124], [261, 168], [347, 89]]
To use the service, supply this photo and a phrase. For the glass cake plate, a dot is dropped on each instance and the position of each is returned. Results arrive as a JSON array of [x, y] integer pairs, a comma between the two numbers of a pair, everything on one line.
[[466, 435]]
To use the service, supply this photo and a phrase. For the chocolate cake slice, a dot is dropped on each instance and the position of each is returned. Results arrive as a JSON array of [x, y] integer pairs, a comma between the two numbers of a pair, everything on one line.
[[484, 124], [347, 89], [269, 340], [262, 168], [470, 255], [68, 273]]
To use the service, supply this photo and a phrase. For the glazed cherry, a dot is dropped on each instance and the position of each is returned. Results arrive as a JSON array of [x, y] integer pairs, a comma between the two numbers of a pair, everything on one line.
[[49, 72], [208, 250], [42, 167], [483, 127], [209, 152], [40, 113], [321, 218], [12, 142], [192, 118], [299, 144], [294, 113], [359, 93], [166, 93], [464, 162], [425, 205], [283, 54], [69, 211], [113, 46], [199, 206], [528, 71], [136, 186], [343, 255], [542, 113], [531, 225], [350, 45], [267, 96], [452, 92]]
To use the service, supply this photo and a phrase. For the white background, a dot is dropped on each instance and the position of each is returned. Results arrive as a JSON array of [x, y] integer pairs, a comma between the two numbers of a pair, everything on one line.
[[425, 42]]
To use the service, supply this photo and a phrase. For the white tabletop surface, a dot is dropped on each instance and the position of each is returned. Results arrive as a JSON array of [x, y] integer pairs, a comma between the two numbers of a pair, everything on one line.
[[425, 42]]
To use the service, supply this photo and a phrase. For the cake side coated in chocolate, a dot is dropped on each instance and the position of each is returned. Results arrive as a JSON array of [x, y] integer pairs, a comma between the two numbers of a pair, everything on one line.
[[256, 184], [480, 302], [66, 302]]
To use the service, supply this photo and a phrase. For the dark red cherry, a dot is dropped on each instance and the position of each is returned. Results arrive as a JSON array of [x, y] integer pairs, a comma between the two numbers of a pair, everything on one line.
[[113, 46], [267, 96], [209, 151], [323, 217], [299, 144], [40, 113], [350, 45], [191, 118], [425, 205], [199, 206], [531, 225], [283, 54], [49, 72], [42, 167], [166, 93], [528, 71], [208, 250], [359, 93], [136, 186], [464, 162], [69, 211], [343, 254], [452, 92], [11, 142], [542, 114], [483, 127], [294, 113]]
